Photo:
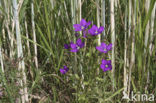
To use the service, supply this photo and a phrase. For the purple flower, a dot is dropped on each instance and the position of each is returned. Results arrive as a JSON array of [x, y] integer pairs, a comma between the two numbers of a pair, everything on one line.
[[80, 43], [64, 70], [109, 47], [66, 46], [82, 26], [106, 65], [95, 30], [104, 48], [75, 47]]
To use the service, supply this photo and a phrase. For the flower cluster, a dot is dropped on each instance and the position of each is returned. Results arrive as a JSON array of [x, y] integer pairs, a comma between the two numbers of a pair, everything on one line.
[[93, 31]]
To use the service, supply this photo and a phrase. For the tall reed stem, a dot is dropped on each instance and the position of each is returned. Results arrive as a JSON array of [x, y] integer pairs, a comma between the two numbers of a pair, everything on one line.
[[125, 58], [21, 68], [132, 48], [1, 59], [103, 15], [34, 33], [112, 39], [98, 21], [152, 27]]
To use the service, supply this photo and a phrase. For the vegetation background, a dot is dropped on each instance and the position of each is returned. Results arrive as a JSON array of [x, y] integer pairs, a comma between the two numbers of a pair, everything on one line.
[[32, 35]]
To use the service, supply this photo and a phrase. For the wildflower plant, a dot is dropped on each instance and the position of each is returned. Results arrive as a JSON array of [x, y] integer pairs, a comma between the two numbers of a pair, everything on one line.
[[88, 34]]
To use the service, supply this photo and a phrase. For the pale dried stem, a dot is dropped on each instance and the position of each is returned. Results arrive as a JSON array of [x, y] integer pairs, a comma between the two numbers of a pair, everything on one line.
[[21, 68], [1, 59], [147, 4], [125, 95], [151, 46], [28, 45], [103, 15], [133, 48], [152, 27], [98, 22], [34, 33], [112, 39]]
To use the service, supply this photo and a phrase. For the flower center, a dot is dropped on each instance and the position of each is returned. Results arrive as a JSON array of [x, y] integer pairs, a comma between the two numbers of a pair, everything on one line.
[[82, 27], [96, 32], [105, 49], [106, 66]]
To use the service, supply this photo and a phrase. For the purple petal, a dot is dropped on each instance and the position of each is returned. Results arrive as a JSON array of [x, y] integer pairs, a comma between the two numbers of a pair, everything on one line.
[[79, 42], [66, 46], [66, 68], [102, 66], [82, 45], [94, 27], [104, 61], [74, 50], [89, 22], [99, 48], [106, 69], [102, 48], [104, 51], [90, 31], [83, 22], [109, 62], [93, 31], [109, 47], [103, 45], [77, 27], [62, 71], [73, 46], [110, 67], [101, 29]]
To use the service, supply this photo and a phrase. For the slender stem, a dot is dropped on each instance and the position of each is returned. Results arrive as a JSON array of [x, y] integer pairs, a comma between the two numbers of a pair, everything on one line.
[[98, 22], [129, 18], [151, 45], [125, 57], [113, 38], [66, 9], [21, 67], [147, 4], [28, 45], [152, 27], [132, 48], [1, 59], [103, 15], [34, 33], [80, 4]]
